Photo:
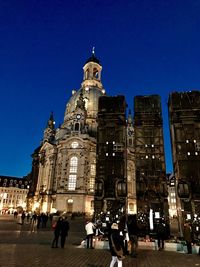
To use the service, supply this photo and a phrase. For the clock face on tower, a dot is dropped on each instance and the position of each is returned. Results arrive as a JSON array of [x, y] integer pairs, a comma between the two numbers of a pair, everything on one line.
[[78, 116]]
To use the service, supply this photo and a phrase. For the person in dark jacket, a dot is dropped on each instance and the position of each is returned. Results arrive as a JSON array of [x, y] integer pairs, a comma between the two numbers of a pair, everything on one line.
[[64, 231], [188, 237], [57, 230], [161, 234], [117, 248], [133, 234]]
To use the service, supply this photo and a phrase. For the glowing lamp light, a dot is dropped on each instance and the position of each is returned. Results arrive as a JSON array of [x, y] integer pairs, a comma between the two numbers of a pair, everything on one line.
[[151, 219]]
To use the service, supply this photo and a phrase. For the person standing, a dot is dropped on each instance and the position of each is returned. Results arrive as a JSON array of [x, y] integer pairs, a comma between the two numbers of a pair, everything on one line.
[[117, 248], [33, 222], [57, 231], [133, 234], [89, 227], [161, 233], [64, 231], [187, 234], [23, 217]]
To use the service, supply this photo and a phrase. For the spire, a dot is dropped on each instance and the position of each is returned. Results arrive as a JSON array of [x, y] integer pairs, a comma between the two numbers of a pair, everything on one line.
[[93, 58], [51, 122], [49, 132], [93, 50]]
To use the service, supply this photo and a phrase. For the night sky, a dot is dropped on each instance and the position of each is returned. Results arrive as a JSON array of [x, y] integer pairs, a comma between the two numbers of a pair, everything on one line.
[[145, 47]]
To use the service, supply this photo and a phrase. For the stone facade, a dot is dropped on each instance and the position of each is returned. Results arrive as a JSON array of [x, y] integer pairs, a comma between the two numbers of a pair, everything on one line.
[[64, 165]]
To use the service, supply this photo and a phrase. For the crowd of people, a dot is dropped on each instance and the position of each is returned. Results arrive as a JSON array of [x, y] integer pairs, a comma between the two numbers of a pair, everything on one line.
[[122, 235]]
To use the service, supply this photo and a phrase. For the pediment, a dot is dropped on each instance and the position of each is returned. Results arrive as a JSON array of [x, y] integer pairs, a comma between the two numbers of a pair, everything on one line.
[[47, 145]]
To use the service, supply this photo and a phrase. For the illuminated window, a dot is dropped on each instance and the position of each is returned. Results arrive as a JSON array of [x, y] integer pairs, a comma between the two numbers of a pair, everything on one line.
[[73, 165], [74, 145], [92, 177], [131, 207], [86, 102], [72, 173], [93, 169], [72, 182]]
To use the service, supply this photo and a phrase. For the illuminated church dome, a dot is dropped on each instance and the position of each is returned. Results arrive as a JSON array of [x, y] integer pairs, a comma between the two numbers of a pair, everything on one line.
[[90, 91]]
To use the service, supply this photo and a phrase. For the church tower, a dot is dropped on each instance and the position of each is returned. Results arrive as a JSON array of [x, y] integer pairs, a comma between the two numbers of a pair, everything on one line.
[[91, 89], [67, 156], [49, 132], [92, 73]]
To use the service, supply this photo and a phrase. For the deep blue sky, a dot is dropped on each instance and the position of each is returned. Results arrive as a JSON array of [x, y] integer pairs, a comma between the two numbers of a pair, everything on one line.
[[145, 47]]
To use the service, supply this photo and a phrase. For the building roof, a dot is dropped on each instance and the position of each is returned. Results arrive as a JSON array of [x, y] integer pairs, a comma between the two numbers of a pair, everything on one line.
[[93, 58]]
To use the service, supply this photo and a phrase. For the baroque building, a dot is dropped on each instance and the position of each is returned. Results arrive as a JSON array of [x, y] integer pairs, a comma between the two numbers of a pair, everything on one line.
[[64, 165], [67, 157]]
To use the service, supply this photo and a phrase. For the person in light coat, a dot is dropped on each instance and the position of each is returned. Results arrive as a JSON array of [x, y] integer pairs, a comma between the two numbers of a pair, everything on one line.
[[89, 227]]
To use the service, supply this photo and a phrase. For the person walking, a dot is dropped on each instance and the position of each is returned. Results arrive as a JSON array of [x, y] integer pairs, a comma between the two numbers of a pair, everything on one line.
[[187, 234], [57, 231], [117, 248], [133, 234], [89, 227], [23, 217], [64, 231], [161, 233]]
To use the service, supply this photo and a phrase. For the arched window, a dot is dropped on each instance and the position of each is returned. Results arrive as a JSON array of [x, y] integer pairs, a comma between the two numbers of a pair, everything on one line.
[[76, 126], [87, 74], [72, 173], [95, 73], [70, 205]]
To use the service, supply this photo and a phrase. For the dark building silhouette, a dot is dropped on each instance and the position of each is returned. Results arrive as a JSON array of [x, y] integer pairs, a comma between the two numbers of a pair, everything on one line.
[[184, 114], [110, 186], [151, 185]]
